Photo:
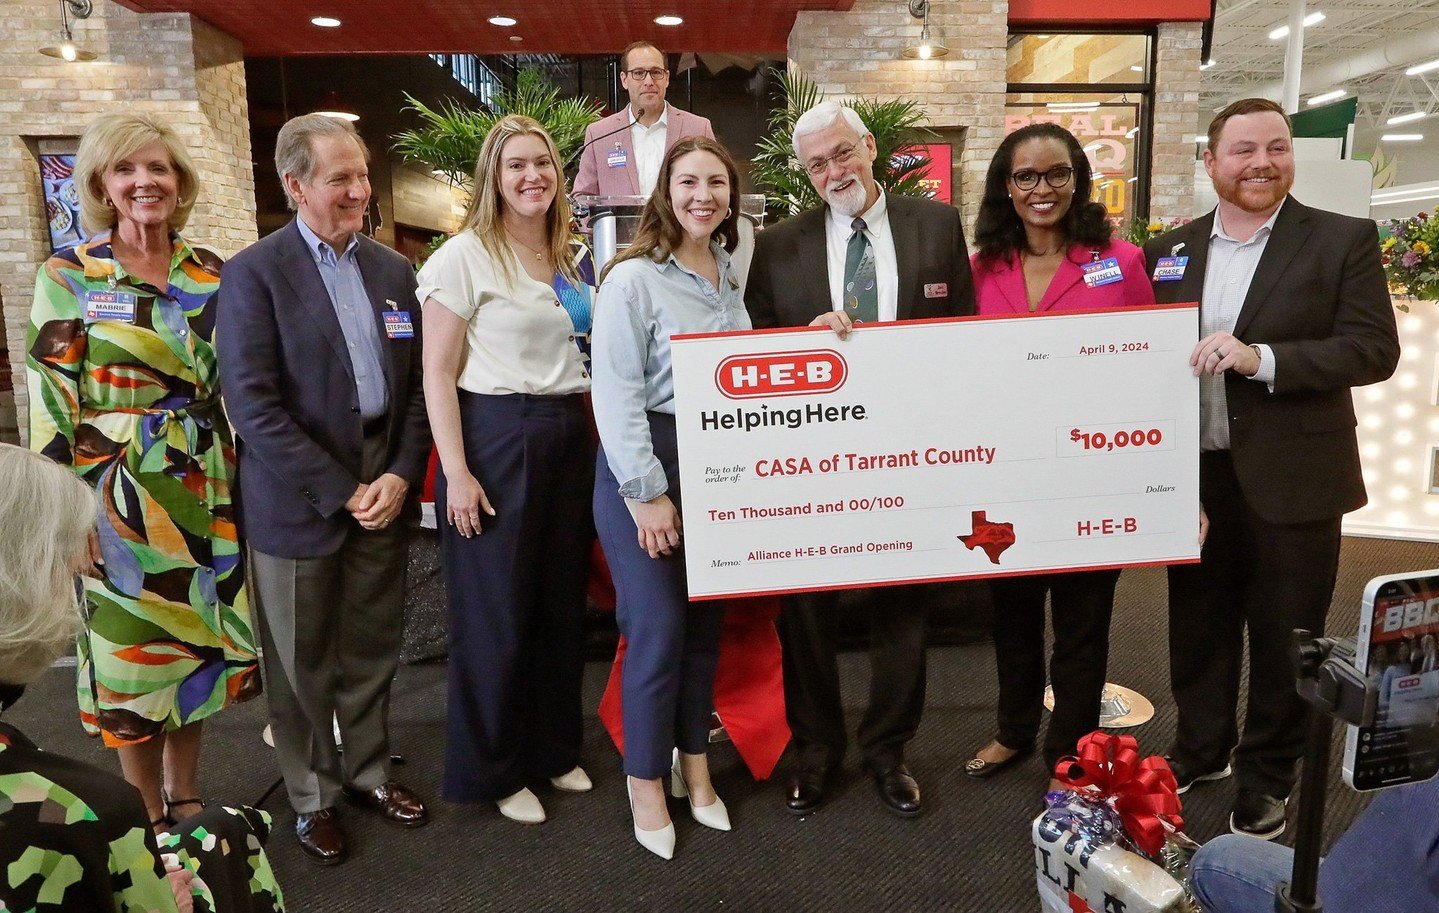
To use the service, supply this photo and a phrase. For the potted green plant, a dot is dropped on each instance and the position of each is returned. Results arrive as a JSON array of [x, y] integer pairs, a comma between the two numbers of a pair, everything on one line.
[[450, 135], [895, 124]]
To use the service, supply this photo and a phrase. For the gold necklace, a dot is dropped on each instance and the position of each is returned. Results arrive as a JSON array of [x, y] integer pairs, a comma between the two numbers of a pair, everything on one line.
[[539, 254]]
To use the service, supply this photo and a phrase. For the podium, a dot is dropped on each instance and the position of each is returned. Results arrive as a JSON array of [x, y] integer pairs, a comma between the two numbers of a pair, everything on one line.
[[613, 221]]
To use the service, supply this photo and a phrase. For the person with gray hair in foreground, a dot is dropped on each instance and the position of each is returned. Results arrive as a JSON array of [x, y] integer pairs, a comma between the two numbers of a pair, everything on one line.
[[72, 836], [320, 355], [864, 256]]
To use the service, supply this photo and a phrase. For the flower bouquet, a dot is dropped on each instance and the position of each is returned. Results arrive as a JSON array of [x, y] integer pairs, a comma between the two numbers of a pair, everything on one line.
[[1139, 231], [1111, 840], [1408, 251]]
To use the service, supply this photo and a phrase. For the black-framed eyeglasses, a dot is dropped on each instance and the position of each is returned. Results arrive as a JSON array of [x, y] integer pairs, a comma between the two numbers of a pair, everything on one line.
[[1056, 177], [658, 74], [841, 157]]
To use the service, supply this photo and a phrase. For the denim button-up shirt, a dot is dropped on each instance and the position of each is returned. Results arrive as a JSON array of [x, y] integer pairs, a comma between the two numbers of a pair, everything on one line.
[[640, 305]]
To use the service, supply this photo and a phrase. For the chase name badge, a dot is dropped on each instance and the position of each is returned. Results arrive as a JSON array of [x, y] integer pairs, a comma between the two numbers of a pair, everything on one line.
[[617, 159], [110, 305], [1170, 269], [1102, 272], [398, 326]]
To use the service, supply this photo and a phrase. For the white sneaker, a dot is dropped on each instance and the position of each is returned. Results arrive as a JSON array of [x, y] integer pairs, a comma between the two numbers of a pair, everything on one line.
[[660, 842], [576, 781], [714, 815], [524, 807]]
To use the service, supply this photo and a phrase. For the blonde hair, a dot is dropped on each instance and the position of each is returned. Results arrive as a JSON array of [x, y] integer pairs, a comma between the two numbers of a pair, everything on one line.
[[484, 215], [46, 515], [109, 139]]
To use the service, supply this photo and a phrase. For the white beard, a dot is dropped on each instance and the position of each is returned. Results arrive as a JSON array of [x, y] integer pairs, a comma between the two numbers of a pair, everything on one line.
[[848, 202]]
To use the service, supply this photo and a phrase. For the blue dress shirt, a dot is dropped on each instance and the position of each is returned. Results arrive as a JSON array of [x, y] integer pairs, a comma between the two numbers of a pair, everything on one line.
[[341, 274]]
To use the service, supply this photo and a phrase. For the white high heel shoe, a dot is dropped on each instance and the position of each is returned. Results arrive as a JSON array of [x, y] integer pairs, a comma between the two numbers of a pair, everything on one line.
[[660, 842], [714, 815]]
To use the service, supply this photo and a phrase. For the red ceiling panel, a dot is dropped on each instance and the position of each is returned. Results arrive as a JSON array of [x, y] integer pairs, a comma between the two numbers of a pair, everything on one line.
[[268, 28]]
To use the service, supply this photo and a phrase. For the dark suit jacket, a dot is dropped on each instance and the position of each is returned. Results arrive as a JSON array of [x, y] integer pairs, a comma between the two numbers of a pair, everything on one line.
[[789, 275], [1319, 300], [290, 391]]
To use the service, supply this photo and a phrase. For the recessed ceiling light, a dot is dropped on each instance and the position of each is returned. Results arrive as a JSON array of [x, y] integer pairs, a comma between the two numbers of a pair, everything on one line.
[[668, 20], [516, 38], [502, 21], [326, 22], [1328, 96], [1422, 68], [1283, 30], [1402, 137], [1405, 118]]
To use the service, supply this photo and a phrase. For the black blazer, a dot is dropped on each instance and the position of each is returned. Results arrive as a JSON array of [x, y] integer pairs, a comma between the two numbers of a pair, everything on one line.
[[1320, 301], [290, 391], [789, 274]]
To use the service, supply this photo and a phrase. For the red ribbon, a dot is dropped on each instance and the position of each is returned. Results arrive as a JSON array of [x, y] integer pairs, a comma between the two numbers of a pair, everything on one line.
[[1144, 793]]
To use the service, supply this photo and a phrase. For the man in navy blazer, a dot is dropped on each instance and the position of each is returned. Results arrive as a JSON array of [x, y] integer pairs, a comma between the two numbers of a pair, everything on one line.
[[320, 359]]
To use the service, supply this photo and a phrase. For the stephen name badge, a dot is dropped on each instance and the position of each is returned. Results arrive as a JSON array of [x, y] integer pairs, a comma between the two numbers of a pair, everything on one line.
[[617, 158], [1170, 269], [398, 326], [111, 305], [937, 290], [1102, 272]]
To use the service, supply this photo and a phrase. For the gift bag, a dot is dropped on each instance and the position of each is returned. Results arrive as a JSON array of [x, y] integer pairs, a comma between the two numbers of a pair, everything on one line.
[[1111, 842]]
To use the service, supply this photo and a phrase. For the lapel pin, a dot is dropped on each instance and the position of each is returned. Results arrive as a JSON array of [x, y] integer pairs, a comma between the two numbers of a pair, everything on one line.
[[1176, 248]]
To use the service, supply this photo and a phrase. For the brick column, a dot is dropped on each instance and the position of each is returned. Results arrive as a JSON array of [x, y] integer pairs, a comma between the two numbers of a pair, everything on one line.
[[1176, 114], [170, 65], [858, 52]]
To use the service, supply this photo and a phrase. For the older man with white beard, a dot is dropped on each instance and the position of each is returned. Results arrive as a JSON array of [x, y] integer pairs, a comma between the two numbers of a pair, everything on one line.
[[863, 257]]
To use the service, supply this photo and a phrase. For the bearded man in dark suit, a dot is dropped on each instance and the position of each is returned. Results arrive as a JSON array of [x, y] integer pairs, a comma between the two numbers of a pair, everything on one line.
[[1294, 311], [864, 256]]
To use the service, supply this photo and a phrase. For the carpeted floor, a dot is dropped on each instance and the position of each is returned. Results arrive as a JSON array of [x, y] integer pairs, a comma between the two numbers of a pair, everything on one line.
[[969, 851]]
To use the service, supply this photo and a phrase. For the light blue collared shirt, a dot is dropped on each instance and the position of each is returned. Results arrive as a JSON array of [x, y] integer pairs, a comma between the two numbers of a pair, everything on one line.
[[640, 305], [351, 302]]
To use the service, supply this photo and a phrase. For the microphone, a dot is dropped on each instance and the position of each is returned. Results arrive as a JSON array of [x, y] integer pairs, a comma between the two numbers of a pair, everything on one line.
[[574, 156]]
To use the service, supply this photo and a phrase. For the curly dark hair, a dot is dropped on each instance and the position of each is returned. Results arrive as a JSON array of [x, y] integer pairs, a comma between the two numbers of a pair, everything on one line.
[[999, 232]]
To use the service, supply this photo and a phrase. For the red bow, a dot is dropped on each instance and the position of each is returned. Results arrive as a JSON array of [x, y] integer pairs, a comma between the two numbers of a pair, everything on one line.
[[1144, 793]]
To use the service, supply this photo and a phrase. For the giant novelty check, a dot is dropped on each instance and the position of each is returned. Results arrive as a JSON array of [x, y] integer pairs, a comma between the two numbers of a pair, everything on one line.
[[937, 450]]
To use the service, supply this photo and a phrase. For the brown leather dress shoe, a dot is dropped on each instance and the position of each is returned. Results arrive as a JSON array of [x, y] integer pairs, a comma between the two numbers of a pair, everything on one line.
[[392, 800], [320, 837]]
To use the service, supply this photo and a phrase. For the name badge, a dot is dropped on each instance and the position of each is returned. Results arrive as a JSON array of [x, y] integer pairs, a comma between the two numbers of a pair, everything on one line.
[[617, 158], [111, 305], [1102, 272], [1170, 269], [398, 326], [936, 290]]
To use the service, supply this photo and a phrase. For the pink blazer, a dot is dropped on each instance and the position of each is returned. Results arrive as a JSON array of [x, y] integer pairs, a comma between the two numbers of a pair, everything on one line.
[[999, 285], [597, 178]]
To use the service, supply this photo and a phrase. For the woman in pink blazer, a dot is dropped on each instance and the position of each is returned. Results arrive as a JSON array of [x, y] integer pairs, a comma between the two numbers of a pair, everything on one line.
[[1044, 246]]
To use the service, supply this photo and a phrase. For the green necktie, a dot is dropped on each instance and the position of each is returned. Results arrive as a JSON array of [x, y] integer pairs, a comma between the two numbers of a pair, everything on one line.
[[861, 294]]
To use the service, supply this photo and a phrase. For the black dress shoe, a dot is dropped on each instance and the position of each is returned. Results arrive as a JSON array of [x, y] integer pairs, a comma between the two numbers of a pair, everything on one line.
[[807, 786], [898, 790], [320, 837], [1187, 776], [1258, 814]]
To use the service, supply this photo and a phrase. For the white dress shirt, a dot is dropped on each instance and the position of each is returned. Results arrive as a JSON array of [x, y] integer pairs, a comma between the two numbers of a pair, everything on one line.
[[837, 229], [1227, 278], [519, 339], [649, 145]]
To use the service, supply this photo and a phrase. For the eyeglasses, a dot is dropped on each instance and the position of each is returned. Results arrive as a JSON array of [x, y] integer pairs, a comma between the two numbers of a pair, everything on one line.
[[658, 74], [842, 157], [1028, 179]]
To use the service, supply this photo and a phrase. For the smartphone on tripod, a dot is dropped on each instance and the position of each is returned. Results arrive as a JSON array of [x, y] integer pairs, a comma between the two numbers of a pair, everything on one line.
[[1397, 651]]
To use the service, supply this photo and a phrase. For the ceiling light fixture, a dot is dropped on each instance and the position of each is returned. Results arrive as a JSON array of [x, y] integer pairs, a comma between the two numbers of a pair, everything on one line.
[[1283, 30], [1137, 68], [928, 48], [331, 106], [516, 38], [1406, 118], [326, 22], [1328, 96], [503, 22], [669, 20], [1422, 68], [1072, 105], [1401, 137], [67, 50]]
